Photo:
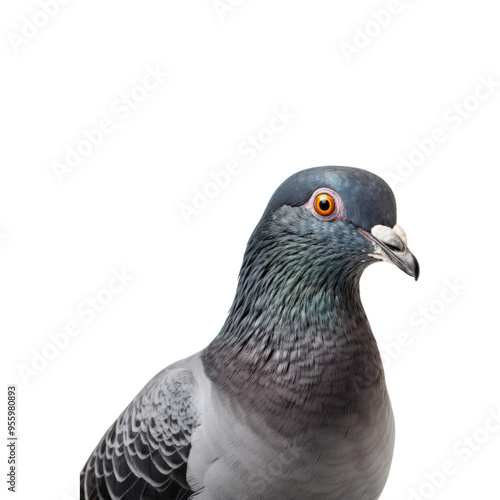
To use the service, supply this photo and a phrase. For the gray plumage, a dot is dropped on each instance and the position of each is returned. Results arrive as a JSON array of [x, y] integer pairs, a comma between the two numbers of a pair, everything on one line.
[[289, 400]]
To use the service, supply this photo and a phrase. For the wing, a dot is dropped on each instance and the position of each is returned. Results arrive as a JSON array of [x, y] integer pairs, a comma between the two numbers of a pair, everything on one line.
[[144, 454]]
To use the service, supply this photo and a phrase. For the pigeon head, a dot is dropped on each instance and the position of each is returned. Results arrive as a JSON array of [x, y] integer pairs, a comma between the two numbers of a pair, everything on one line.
[[321, 229], [344, 217]]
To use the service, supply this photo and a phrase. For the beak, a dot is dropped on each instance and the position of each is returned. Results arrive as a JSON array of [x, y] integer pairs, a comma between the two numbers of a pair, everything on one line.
[[391, 245]]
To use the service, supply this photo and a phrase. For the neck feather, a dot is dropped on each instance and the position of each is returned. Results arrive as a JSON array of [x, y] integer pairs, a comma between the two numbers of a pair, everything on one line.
[[296, 336]]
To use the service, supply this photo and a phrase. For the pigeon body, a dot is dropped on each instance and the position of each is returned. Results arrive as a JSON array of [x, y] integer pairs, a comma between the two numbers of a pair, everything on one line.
[[289, 400]]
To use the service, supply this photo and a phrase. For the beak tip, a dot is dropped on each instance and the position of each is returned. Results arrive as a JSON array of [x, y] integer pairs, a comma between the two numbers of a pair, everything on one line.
[[415, 267]]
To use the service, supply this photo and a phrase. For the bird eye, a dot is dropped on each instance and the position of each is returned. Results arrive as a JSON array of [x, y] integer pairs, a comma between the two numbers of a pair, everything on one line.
[[324, 204]]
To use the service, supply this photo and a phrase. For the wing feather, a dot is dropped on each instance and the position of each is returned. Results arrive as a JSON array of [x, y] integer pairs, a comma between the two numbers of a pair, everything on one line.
[[144, 454]]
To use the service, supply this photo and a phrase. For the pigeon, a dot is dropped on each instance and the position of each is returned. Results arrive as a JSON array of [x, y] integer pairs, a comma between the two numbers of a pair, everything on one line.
[[289, 400]]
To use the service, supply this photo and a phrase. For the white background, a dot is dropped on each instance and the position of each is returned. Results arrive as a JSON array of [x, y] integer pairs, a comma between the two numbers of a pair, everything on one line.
[[120, 207]]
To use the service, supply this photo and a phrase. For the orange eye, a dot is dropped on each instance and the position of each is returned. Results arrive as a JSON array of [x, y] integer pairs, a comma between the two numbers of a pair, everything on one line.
[[324, 205]]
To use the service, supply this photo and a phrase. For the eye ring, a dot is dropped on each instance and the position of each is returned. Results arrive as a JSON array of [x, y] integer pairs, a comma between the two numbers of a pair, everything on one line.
[[324, 204], [336, 205]]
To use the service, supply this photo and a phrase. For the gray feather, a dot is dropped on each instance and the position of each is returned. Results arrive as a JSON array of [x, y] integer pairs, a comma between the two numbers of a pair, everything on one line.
[[289, 400]]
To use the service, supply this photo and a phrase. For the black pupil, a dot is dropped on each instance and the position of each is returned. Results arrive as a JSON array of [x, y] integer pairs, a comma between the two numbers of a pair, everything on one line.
[[324, 205]]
